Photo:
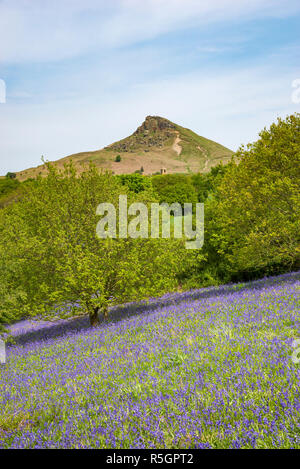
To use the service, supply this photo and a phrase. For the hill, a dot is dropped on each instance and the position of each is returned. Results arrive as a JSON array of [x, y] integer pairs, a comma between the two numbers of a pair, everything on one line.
[[157, 143]]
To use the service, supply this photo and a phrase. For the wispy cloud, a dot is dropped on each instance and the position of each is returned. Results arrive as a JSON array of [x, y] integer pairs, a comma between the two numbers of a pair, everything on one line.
[[82, 74], [52, 30]]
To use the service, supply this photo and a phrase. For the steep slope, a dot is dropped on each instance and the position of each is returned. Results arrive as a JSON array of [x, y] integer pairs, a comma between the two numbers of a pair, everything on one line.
[[156, 144]]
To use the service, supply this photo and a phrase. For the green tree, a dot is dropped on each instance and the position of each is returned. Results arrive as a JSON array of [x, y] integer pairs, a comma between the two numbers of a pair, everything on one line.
[[135, 182], [11, 175], [118, 159], [206, 184], [52, 262], [172, 188], [254, 228]]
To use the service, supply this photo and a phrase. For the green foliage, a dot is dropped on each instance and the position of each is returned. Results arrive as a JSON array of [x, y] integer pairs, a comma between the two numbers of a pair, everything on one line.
[[8, 185], [254, 227], [9, 190], [118, 159], [206, 183], [11, 175], [172, 188], [52, 262], [135, 182]]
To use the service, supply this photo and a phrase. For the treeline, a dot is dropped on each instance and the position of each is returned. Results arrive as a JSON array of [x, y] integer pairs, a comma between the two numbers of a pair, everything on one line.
[[253, 222], [52, 262]]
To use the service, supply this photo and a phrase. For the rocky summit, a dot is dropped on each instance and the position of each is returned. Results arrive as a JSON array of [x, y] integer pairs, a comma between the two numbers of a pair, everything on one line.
[[157, 144]]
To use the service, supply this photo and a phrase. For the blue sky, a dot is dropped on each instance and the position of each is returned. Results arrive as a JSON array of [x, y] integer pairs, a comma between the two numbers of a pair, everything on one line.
[[81, 74]]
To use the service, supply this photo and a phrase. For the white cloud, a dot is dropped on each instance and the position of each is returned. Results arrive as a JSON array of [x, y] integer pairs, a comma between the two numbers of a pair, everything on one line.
[[51, 30]]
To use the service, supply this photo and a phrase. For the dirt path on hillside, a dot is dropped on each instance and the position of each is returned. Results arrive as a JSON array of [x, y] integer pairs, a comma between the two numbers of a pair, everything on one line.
[[176, 147], [206, 158], [206, 164]]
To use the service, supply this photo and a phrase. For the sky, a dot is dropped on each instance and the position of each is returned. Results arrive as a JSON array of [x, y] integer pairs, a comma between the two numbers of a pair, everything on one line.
[[76, 75]]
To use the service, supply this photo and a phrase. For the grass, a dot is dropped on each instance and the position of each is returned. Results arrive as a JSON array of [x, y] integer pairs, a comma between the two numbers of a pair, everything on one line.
[[196, 147], [212, 369]]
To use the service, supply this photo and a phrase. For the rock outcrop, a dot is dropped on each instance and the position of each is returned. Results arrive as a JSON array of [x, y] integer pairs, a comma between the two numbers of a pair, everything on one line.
[[155, 131]]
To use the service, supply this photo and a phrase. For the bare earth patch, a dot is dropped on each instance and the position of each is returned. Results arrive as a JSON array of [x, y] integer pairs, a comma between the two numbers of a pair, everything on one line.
[[176, 147]]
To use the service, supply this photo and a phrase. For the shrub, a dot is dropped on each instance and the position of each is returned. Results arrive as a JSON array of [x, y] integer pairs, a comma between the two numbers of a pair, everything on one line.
[[11, 175], [172, 188], [135, 182]]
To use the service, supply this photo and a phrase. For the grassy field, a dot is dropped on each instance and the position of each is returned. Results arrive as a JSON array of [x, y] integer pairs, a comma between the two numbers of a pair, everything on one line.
[[210, 368]]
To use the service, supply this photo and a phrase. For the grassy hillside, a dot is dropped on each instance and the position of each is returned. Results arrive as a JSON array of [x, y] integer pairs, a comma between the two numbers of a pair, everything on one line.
[[201, 154], [9, 191], [158, 143], [210, 368]]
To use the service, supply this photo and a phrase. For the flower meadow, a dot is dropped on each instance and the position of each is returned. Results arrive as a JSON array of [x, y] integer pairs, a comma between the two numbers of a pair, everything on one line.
[[209, 368]]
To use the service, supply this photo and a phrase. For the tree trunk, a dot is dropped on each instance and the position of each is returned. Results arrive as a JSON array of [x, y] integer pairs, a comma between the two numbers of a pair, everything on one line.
[[105, 313], [94, 319]]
